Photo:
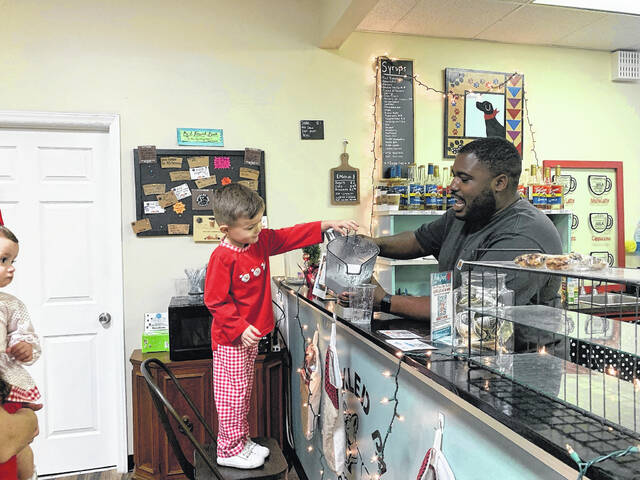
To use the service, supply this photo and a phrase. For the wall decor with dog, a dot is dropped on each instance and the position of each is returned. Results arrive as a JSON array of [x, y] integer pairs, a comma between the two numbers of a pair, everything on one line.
[[482, 104]]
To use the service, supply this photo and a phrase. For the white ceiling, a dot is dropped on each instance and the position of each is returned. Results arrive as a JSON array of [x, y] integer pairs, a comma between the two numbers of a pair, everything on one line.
[[507, 21]]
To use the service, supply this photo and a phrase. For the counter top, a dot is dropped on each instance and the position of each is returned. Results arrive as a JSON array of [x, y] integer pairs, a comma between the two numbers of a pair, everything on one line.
[[544, 422]]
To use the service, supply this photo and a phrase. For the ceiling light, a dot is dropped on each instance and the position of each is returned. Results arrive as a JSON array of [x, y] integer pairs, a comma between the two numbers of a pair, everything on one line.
[[618, 6]]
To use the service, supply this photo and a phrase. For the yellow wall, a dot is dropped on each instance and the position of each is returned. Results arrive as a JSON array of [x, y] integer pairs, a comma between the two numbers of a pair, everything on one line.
[[251, 68]]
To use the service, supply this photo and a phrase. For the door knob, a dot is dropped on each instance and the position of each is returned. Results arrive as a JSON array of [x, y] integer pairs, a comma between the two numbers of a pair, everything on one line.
[[105, 319]]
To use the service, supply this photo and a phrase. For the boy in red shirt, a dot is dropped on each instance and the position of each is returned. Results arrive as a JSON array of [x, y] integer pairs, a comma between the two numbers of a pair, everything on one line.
[[238, 294]]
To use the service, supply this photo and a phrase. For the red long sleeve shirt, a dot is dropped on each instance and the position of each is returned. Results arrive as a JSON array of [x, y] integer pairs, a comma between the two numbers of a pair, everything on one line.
[[237, 289]]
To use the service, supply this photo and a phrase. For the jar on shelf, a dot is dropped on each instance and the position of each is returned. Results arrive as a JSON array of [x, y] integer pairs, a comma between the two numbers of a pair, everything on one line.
[[480, 301]]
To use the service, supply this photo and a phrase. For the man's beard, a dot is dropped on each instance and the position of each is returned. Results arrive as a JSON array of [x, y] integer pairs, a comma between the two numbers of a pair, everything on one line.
[[482, 208]]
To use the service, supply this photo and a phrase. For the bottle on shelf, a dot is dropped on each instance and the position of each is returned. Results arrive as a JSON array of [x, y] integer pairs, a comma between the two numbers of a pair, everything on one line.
[[548, 188], [415, 187], [440, 195], [447, 197], [402, 188], [537, 189], [556, 199], [523, 185], [430, 189]]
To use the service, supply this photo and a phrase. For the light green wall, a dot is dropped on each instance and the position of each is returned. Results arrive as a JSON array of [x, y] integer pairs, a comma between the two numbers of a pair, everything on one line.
[[251, 68]]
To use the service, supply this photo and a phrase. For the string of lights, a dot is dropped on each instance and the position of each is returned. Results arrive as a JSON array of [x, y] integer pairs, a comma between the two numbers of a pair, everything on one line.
[[584, 466], [531, 131]]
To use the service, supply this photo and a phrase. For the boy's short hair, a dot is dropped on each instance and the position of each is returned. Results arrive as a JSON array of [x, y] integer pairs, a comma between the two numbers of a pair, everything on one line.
[[234, 201], [8, 234]]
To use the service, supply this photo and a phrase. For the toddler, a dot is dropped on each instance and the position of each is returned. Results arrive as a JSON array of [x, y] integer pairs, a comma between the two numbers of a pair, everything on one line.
[[19, 345], [238, 294]]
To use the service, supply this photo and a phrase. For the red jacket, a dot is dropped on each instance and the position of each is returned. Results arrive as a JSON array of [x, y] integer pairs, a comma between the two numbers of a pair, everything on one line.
[[237, 288]]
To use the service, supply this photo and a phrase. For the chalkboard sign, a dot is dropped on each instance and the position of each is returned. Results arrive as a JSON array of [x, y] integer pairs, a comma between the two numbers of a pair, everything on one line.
[[312, 129], [396, 90], [179, 185], [345, 183]]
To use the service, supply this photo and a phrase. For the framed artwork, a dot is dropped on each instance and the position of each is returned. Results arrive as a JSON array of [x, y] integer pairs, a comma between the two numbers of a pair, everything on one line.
[[481, 104], [594, 193]]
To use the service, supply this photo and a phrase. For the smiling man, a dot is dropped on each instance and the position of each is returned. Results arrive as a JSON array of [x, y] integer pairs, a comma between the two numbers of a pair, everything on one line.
[[488, 216]]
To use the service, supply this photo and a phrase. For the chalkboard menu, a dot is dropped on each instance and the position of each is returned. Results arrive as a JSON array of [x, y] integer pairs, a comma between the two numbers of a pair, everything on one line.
[[345, 183], [312, 129], [174, 186], [396, 90]]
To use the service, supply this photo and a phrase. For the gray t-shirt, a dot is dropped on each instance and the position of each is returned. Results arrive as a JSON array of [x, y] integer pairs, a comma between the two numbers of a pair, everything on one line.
[[519, 226]]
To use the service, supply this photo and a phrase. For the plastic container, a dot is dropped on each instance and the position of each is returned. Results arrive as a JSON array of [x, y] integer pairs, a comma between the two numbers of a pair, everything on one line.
[[361, 303]]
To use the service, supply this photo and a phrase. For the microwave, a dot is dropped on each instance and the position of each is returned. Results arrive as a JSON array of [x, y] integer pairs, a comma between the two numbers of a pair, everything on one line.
[[189, 328]]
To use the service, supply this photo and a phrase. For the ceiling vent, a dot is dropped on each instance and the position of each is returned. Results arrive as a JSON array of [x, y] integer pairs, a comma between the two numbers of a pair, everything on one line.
[[625, 66]]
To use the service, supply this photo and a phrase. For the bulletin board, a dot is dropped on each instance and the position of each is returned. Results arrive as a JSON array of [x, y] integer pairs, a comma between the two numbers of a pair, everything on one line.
[[593, 191], [192, 175]]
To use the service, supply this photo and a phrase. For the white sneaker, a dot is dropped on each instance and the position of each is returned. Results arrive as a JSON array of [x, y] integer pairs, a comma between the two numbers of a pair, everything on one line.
[[248, 458], [260, 449]]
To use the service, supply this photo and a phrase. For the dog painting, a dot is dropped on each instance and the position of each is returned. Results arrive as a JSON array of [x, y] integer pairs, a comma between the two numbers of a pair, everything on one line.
[[484, 115]]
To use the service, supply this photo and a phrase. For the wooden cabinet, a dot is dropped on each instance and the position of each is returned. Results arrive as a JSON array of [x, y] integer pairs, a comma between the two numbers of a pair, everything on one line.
[[152, 453]]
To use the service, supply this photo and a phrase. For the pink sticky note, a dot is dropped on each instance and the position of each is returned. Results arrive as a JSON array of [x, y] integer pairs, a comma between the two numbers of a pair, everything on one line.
[[221, 162]]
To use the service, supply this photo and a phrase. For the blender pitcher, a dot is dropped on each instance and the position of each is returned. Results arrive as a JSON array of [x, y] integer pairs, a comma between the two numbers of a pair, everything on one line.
[[350, 261]]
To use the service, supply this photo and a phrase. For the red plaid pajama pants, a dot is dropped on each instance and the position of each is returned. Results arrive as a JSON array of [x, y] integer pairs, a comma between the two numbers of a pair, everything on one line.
[[233, 370]]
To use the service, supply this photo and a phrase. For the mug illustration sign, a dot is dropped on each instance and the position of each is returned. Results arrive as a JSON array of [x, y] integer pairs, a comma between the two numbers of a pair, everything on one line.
[[575, 221], [599, 184], [600, 222], [606, 256], [568, 182]]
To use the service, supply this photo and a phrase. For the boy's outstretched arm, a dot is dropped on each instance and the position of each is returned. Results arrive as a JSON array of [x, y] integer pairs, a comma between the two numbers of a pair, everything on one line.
[[341, 226]]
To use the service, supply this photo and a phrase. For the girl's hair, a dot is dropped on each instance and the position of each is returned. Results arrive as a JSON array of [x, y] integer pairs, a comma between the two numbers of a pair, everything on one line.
[[8, 234], [5, 388]]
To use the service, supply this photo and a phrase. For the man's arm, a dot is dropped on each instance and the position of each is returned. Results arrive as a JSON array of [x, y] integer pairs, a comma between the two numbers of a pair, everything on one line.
[[18, 431], [401, 246], [415, 308]]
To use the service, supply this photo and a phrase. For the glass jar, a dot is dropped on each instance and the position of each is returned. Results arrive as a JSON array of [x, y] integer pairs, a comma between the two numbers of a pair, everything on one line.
[[480, 302]]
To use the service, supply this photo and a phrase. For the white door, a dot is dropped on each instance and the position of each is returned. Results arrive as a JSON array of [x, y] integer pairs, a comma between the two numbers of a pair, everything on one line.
[[60, 194]]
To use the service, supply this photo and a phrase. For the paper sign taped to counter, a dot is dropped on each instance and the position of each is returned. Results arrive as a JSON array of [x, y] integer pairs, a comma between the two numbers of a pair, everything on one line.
[[408, 345], [249, 173], [205, 229], [178, 228], [199, 172], [398, 334], [181, 191], [147, 154], [202, 161], [205, 182], [141, 225], [167, 199], [441, 306], [252, 184], [180, 175], [154, 188], [171, 162], [252, 156], [152, 207]]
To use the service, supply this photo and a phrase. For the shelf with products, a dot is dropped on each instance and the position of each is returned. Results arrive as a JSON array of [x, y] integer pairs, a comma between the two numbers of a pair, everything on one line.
[[413, 277], [587, 362]]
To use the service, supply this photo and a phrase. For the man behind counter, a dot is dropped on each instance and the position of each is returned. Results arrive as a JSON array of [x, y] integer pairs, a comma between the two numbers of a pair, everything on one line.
[[488, 214]]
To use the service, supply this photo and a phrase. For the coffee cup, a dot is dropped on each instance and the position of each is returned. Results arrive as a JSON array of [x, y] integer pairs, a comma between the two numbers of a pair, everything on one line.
[[575, 221], [568, 182], [599, 184], [600, 222], [605, 256]]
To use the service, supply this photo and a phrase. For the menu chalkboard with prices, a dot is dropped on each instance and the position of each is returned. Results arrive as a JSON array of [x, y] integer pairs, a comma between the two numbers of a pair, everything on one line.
[[345, 183], [395, 79]]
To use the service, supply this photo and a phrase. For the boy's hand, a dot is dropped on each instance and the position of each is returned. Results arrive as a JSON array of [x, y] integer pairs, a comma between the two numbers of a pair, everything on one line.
[[341, 226], [21, 351], [251, 336]]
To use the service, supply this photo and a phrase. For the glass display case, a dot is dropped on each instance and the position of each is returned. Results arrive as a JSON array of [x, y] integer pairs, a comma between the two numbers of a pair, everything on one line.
[[556, 347]]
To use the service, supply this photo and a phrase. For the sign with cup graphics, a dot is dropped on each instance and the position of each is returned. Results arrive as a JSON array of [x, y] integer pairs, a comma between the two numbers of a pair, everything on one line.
[[591, 194]]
